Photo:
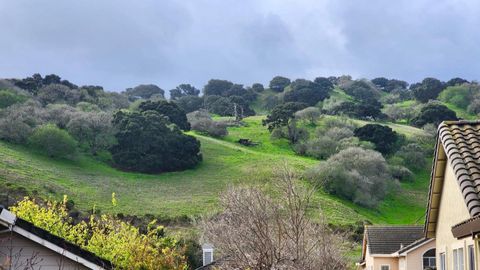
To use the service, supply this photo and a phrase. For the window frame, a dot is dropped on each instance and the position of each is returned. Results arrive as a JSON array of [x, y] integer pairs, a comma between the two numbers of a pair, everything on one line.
[[443, 261], [471, 257], [385, 265]]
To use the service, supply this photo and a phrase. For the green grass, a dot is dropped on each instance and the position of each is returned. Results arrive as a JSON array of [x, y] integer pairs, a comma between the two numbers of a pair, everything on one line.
[[192, 192]]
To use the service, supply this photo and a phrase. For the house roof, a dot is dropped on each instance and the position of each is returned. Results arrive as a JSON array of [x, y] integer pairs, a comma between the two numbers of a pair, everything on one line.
[[414, 245], [459, 143], [390, 239], [21, 226]]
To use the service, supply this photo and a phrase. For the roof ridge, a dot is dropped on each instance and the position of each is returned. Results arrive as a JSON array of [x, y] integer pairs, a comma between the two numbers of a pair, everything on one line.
[[459, 122]]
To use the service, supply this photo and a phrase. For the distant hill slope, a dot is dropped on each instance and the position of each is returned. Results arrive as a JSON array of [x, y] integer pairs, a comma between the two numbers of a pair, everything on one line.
[[180, 195]]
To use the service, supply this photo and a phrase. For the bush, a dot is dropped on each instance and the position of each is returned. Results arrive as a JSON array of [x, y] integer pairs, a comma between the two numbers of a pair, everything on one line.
[[384, 138], [93, 130], [460, 95], [401, 173], [8, 98], [428, 89], [147, 142], [356, 174], [171, 110], [190, 103], [433, 113], [201, 121], [18, 121], [413, 156], [53, 141], [308, 92], [321, 147], [310, 114]]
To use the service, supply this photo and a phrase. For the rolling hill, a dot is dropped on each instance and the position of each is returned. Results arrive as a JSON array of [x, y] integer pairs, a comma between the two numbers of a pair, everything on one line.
[[178, 196]]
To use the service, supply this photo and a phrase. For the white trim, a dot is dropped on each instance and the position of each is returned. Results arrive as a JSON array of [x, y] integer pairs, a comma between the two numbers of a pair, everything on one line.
[[56, 248], [416, 246]]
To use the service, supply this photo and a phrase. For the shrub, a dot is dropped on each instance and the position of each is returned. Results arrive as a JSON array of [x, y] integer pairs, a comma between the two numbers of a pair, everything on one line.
[[18, 121], [279, 83], [413, 156], [356, 174], [201, 121], [310, 114], [339, 133], [53, 141], [8, 98], [171, 110], [189, 103], [428, 89], [321, 147], [123, 244], [384, 138], [94, 130], [147, 142], [433, 113], [401, 173]]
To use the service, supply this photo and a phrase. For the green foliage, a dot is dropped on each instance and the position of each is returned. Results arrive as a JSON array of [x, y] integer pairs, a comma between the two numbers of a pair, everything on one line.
[[171, 110], [144, 91], [8, 98], [53, 141], [413, 156], [279, 83], [189, 103], [356, 174], [217, 87], [384, 138], [202, 122], [428, 89], [282, 114], [105, 236], [362, 90], [146, 142], [433, 113], [183, 90], [460, 95], [258, 87], [455, 81], [92, 129], [308, 92], [18, 121]]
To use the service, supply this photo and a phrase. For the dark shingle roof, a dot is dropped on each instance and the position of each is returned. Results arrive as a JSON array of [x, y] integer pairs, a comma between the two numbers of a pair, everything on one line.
[[389, 239], [461, 141]]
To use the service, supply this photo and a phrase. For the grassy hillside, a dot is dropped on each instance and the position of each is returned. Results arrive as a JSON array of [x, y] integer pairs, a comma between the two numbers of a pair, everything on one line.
[[90, 182]]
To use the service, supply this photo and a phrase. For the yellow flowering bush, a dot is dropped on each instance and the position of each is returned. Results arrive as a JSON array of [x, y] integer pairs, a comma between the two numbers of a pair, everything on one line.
[[117, 241]]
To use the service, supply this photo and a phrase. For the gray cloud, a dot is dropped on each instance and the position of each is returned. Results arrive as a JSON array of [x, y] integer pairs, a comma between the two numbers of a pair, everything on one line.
[[119, 44]]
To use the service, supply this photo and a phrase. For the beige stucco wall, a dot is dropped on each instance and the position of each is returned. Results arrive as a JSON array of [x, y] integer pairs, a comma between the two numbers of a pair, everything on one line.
[[452, 210], [414, 259], [379, 261], [24, 249]]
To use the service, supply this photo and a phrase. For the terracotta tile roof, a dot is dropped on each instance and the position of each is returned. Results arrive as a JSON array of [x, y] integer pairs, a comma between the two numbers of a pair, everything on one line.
[[390, 239], [461, 142]]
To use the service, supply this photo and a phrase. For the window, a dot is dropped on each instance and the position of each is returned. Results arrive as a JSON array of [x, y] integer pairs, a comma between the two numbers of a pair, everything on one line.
[[429, 259], [458, 259], [471, 258], [442, 261], [385, 267]]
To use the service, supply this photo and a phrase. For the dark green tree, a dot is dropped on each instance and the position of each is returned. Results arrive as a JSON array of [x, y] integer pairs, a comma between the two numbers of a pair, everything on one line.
[[171, 110], [283, 115], [183, 90], [384, 138], [190, 103], [308, 92], [257, 87], [455, 81], [433, 113], [279, 83], [362, 90], [144, 91], [146, 142], [217, 87], [428, 89]]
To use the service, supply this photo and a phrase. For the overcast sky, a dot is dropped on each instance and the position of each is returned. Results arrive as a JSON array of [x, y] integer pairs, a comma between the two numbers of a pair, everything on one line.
[[120, 44]]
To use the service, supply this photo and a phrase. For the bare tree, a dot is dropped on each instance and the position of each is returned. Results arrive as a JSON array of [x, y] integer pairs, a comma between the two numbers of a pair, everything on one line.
[[257, 232]]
